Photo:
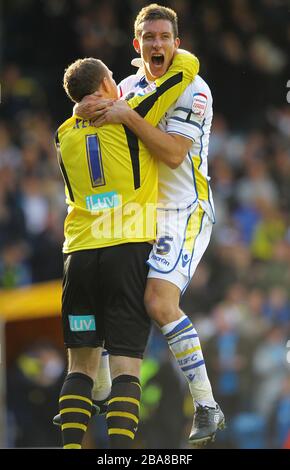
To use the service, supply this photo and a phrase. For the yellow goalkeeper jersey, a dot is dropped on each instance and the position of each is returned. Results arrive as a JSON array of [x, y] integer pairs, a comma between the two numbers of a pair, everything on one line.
[[111, 181]]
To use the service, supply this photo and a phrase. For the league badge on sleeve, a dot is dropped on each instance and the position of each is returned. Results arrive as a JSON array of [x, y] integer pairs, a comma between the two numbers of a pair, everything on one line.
[[199, 104]]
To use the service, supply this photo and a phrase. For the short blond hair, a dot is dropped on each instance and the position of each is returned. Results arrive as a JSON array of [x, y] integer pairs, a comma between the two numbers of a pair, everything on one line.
[[154, 12]]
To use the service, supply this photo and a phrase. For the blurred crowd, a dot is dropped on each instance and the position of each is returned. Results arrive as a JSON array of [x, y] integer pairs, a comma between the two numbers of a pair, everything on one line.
[[239, 297]]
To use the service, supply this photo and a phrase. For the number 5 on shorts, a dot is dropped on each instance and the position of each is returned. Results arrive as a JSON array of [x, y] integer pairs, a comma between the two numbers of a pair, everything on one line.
[[163, 247]]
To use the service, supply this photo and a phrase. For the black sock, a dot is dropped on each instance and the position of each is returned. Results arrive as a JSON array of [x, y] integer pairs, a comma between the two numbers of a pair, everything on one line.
[[123, 411], [75, 405]]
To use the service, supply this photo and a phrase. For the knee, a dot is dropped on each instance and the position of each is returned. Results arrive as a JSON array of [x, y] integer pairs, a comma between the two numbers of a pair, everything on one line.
[[152, 304], [86, 363], [123, 365], [156, 307]]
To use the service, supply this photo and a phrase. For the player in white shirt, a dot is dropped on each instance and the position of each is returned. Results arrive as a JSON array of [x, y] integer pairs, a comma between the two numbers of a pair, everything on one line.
[[184, 191], [185, 210]]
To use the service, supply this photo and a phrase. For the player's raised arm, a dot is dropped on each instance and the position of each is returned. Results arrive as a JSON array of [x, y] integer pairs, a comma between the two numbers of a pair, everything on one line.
[[169, 87], [171, 149], [149, 109]]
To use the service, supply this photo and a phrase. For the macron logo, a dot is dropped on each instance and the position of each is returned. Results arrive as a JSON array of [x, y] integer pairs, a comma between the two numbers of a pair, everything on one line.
[[161, 260], [185, 259], [191, 377], [82, 323]]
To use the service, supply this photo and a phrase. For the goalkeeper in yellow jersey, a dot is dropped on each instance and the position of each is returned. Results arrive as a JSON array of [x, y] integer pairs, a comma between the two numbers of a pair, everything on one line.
[[111, 191]]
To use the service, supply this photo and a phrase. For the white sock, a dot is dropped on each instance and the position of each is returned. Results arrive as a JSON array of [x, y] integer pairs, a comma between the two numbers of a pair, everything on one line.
[[103, 382], [184, 343]]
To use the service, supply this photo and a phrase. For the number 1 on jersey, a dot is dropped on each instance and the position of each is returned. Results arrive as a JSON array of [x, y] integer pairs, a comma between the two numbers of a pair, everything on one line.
[[95, 161]]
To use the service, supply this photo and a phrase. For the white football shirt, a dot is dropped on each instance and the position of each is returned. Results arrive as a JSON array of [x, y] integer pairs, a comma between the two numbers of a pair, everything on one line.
[[191, 117]]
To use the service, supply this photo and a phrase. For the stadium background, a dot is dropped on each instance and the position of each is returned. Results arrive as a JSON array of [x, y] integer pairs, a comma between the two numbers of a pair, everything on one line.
[[239, 297]]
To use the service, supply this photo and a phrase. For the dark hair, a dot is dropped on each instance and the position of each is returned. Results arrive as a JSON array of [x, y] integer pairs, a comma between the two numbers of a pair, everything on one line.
[[156, 12], [83, 77]]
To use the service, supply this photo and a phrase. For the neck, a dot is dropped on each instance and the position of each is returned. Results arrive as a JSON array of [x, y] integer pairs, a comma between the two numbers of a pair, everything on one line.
[[105, 95], [149, 77]]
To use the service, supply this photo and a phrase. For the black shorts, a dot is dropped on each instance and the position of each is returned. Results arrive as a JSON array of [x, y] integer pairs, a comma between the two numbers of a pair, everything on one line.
[[103, 299]]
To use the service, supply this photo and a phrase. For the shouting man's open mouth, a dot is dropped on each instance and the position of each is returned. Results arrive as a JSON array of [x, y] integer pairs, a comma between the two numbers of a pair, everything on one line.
[[157, 59]]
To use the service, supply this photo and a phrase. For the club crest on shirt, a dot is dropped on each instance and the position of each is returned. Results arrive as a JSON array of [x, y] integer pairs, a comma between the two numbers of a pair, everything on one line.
[[199, 104]]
